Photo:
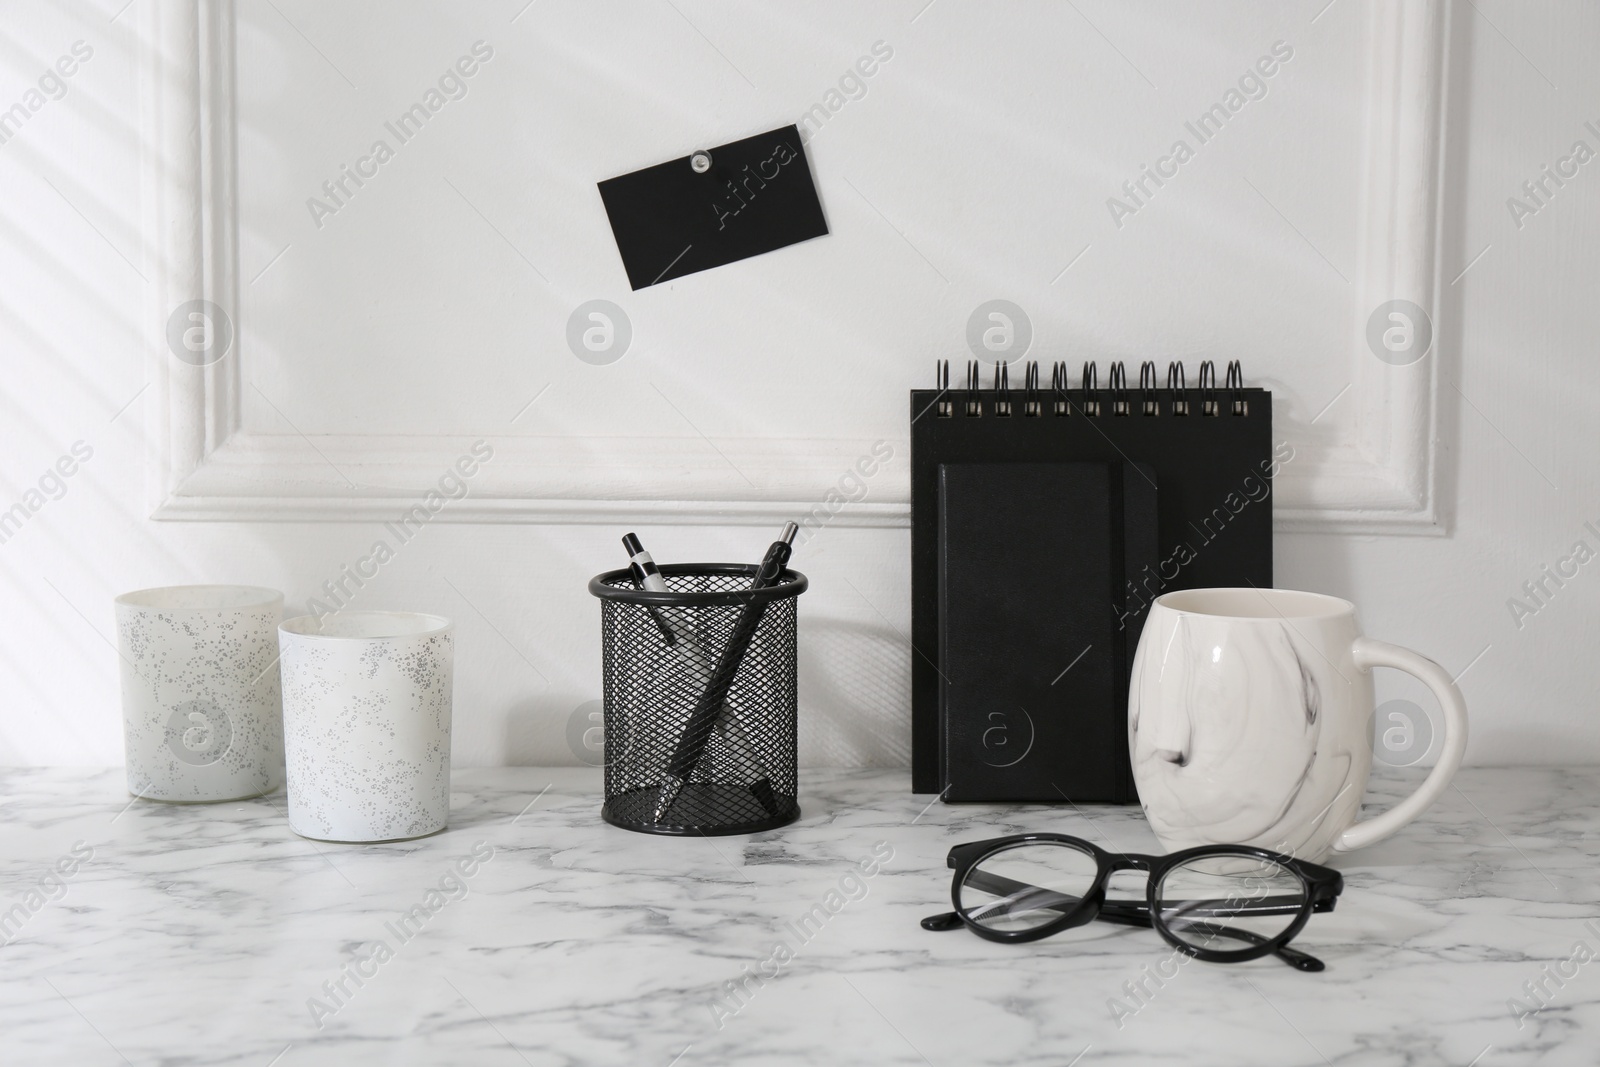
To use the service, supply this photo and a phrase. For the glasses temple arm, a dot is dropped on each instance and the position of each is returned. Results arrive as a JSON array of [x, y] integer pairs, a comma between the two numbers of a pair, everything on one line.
[[1293, 957], [1009, 888], [1132, 910]]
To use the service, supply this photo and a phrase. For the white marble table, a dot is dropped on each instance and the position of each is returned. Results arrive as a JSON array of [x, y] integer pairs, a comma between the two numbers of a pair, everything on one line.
[[201, 935]]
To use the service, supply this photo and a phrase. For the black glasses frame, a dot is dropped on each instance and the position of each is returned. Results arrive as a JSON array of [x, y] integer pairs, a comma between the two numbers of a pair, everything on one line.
[[1322, 888]]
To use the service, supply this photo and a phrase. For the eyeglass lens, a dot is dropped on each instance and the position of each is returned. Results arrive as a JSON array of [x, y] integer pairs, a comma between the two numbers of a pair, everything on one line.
[[1229, 903], [1026, 886]]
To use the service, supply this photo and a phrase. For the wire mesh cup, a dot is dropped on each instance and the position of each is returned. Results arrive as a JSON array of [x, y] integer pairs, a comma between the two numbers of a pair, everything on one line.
[[659, 652]]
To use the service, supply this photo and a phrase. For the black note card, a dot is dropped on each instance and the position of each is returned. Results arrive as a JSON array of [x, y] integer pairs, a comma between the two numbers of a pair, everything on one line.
[[757, 196]]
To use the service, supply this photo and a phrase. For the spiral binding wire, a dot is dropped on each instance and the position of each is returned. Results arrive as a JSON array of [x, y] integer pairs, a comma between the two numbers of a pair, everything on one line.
[[1119, 389], [1147, 385], [1235, 384], [1208, 388], [1177, 384], [1058, 389], [1089, 385], [1060, 401]]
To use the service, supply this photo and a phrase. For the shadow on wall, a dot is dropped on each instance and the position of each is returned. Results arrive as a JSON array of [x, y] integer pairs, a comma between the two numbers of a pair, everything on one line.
[[854, 686]]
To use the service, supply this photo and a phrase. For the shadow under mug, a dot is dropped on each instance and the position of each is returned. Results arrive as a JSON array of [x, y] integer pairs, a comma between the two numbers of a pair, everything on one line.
[[200, 708], [366, 724], [1250, 722]]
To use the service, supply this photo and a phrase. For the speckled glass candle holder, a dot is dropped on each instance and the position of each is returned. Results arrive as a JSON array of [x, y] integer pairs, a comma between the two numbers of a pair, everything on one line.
[[366, 724], [200, 709]]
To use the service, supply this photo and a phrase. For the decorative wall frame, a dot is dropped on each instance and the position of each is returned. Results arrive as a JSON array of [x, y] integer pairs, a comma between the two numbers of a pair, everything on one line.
[[1377, 476]]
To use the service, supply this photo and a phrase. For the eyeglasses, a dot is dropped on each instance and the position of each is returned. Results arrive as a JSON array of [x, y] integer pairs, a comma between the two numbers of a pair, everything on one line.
[[1029, 886]]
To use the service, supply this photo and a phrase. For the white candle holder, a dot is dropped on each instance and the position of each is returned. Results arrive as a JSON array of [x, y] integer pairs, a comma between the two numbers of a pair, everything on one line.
[[366, 717], [200, 707]]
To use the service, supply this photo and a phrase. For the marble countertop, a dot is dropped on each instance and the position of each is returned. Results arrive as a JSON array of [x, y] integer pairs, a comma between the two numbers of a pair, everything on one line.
[[530, 933]]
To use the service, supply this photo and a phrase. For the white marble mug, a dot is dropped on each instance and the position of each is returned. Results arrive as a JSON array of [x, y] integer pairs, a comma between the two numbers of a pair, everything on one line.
[[1250, 722], [200, 708], [366, 724]]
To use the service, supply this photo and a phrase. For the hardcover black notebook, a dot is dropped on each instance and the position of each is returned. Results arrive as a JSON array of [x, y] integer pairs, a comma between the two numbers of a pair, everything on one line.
[[1043, 522], [1028, 636]]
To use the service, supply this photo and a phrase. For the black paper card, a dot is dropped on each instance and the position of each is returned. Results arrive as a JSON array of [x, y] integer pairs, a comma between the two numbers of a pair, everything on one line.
[[757, 196]]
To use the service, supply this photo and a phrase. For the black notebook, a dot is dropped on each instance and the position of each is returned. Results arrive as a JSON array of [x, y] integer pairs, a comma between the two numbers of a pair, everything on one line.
[[1028, 624], [1044, 521]]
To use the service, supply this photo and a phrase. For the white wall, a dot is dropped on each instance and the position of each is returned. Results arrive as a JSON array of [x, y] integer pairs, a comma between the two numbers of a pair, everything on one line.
[[977, 164]]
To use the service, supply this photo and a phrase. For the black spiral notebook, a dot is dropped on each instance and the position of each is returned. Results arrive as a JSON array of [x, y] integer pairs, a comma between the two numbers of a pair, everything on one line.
[[1043, 522]]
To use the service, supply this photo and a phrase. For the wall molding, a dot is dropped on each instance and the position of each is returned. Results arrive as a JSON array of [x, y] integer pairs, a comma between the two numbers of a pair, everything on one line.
[[1376, 476], [1380, 478]]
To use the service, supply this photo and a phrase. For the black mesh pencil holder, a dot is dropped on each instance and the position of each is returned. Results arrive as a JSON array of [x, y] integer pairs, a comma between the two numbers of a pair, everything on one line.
[[660, 649]]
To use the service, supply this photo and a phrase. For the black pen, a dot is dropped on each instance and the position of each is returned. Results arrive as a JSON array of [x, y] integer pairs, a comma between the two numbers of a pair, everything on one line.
[[646, 575], [697, 731]]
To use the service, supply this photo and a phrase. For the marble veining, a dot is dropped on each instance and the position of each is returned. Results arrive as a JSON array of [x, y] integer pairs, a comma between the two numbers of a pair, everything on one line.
[[1255, 731], [529, 932]]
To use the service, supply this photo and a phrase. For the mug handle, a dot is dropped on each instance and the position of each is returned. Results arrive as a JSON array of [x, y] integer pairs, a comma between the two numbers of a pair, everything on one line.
[[1369, 653]]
